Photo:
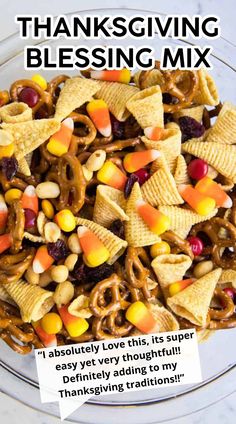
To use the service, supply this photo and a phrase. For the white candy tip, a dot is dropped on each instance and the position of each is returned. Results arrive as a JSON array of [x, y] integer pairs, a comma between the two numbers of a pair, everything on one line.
[[182, 187], [30, 190], [148, 131], [96, 74], [81, 230], [140, 202], [106, 132], [156, 154], [228, 203], [69, 123], [37, 267]]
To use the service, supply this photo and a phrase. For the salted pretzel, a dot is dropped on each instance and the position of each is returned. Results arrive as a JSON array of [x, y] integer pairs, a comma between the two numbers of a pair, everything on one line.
[[181, 84], [136, 263], [85, 139], [99, 330], [20, 181], [179, 244], [97, 297], [218, 244], [227, 306], [53, 87], [13, 329], [223, 323], [69, 175], [12, 267], [16, 225], [4, 98], [45, 98], [117, 325], [117, 145]]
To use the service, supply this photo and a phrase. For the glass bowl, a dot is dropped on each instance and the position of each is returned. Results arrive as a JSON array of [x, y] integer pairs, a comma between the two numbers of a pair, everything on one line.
[[18, 374]]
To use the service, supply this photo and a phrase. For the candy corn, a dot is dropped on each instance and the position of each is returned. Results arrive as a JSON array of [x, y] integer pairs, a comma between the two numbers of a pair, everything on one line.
[[155, 220], [134, 161], [140, 316], [59, 142], [49, 340], [210, 188], [99, 113], [74, 325], [40, 81], [111, 175], [202, 204], [3, 214], [29, 199], [42, 260], [65, 220], [51, 323], [153, 133], [122, 75], [5, 242], [94, 250], [178, 286]]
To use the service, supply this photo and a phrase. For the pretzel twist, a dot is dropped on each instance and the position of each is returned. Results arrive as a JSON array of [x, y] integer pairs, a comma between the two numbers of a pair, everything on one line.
[[4, 98], [45, 98], [16, 225], [53, 87], [12, 267], [98, 303], [181, 84], [89, 135], [179, 244], [69, 175], [136, 263], [227, 306]]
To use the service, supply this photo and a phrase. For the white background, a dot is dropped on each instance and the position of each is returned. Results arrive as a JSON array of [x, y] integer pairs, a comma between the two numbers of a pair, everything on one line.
[[11, 411]]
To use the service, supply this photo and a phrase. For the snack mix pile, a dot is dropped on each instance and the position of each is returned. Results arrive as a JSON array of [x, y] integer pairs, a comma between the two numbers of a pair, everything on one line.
[[117, 207]]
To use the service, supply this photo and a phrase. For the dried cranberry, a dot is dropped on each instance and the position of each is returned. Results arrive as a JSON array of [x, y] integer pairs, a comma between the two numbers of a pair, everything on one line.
[[143, 175], [129, 185], [9, 167], [57, 250], [99, 273], [117, 228], [118, 128], [79, 272], [190, 128], [168, 99]]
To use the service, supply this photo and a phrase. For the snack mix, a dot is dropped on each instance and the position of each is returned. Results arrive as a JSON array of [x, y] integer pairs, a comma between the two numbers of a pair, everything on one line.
[[117, 207]]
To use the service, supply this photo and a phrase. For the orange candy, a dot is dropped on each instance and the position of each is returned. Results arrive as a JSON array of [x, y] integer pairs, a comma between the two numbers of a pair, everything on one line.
[[5, 242], [178, 286], [155, 220], [153, 133], [49, 340], [42, 260], [137, 160], [202, 204], [115, 75], [29, 199], [95, 252], [210, 188], [111, 175], [140, 316], [59, 142], [99, 113], [74, 325]]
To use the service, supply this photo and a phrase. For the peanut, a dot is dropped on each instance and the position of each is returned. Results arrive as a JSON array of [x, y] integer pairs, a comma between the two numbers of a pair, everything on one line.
[[74, 244], [71, 261], [64, 293], [96, 160], [202, 268], [51, 232], [47, 190], [31, 276], [88, 175], [59, 273]]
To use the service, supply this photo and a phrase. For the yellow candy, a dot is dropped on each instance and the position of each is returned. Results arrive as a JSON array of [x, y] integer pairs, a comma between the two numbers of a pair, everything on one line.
[[7, 151], [206, 206], [48, 209], [78, 327], [12, 194], [40, 81], [160, 248], [65, 220], [51, 323]]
